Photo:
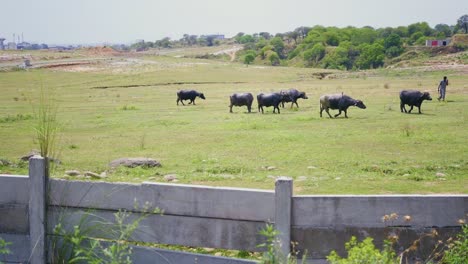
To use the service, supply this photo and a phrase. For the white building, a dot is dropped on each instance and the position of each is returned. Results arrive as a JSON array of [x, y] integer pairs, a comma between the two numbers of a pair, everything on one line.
[[437, 42]]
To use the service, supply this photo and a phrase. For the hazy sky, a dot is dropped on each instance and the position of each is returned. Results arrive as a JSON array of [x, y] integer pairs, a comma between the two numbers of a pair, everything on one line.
[[124, 21]]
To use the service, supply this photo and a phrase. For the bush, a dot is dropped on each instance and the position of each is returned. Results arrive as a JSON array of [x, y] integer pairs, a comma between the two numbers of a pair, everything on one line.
[[364, 253], [458, 250], [4, 247]]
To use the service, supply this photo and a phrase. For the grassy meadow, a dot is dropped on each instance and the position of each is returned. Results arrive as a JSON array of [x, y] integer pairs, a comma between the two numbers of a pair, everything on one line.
[[127, 108]]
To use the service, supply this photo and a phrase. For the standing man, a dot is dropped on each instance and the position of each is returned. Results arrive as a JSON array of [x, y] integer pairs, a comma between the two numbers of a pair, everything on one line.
[[442, 88]]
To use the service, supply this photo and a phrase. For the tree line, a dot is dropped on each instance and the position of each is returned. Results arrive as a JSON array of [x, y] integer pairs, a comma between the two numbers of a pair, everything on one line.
[[327, 47]]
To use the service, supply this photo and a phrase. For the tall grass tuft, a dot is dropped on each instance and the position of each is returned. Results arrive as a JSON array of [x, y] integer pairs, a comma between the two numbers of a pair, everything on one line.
[[47, 127]]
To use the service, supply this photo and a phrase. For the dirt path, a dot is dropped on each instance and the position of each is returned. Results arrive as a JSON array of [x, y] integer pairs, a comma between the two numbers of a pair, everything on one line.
[[231, 52]]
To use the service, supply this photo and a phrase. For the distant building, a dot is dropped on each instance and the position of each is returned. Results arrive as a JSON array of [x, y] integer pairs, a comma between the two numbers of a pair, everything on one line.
[[2, 47], [215, 36], [437, 43], [11, 46], [23, 46]]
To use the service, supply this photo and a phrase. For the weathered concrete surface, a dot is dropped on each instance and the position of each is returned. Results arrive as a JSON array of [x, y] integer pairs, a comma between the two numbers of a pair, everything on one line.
[[319, 242], [19, 248], [283, 197], [14, 218], [14, 198], [188, 200], [167, 229], [203, 201], [367, 211], [14, 189], [37, 208]]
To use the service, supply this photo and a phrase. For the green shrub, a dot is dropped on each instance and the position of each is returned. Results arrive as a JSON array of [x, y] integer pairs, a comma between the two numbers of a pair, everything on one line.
[[272, 254], [4, 247], [364, 253], [457, 252]]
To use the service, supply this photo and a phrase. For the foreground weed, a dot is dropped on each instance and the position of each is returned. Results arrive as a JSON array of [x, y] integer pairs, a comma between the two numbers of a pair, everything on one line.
[[4, 250], [81, 246], [273, 254], [457, 249], [364, 253]]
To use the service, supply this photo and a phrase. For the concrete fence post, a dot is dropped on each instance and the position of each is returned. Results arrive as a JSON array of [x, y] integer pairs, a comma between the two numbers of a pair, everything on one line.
[[37, 209], [283, 206]]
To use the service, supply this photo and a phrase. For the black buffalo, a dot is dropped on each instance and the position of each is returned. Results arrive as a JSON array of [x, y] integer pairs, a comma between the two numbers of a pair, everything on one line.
[[340, 102], [271, 99], [188, 95], [413, 98], [241, 99], [292, 95]]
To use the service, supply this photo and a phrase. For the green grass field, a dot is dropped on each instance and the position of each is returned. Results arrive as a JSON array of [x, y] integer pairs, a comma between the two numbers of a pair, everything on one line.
[[376, 151]]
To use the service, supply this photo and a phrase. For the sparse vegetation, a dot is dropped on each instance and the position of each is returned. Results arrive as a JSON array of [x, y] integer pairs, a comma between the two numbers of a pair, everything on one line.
[[79, 245], [364, 252], [4, 250]]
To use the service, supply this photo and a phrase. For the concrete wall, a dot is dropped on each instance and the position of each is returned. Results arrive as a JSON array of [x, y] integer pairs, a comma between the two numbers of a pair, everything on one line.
[[323, 223], [14, 221], [229, 217]]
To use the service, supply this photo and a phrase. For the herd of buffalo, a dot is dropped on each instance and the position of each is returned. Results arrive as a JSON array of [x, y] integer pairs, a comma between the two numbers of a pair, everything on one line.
[[338, 102]]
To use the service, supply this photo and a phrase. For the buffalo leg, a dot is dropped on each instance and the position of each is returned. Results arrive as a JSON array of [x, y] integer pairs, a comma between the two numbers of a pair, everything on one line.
[[402, 107], [230, 109], [339, 113], [328, 112], [276, 108], [411, 109], [419, 109], [249, 107], [345, 113]]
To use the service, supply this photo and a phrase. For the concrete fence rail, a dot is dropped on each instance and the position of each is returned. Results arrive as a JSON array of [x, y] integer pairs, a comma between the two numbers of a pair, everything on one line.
[[201, 216]]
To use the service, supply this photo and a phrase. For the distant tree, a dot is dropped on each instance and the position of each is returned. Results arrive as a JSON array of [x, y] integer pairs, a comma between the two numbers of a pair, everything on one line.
[[444, 29], [422, 27], [385, 32], [279, 35], [393, 45], [210, 40], [278, 45], [261, 43], [193, 39], [185, 39], [292, 35], [337, 58], [462, 22], [331, 38], [371, 56], [246, 39], [238, 36], [265, 35], [402, 31], [314, 37], [249, 57], [302, 31], [201, 41], [163, 43], [264, 51], [274, 58], [363, 35], [414, 37], [314, 55]]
